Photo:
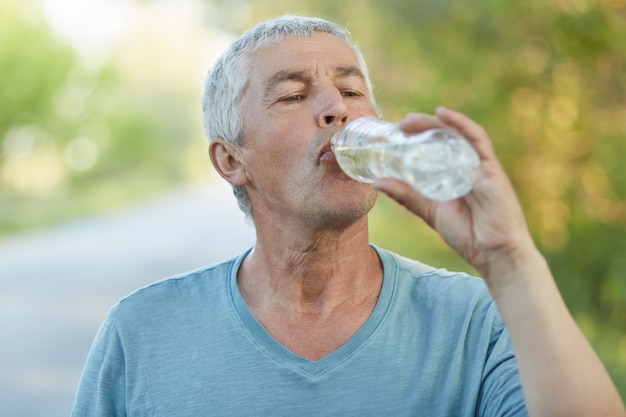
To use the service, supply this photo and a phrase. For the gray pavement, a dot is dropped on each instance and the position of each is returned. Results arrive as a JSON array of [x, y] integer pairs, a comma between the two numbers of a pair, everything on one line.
[[57, 284]]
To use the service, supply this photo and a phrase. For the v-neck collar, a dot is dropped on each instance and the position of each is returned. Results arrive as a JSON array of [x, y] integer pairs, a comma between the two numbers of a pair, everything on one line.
[[279, 352]]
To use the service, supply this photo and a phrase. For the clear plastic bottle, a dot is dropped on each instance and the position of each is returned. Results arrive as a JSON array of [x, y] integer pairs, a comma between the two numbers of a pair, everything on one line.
[[438, 163]]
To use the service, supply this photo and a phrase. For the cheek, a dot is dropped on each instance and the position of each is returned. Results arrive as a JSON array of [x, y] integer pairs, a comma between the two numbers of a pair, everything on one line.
[[274, 146], [270, 162]]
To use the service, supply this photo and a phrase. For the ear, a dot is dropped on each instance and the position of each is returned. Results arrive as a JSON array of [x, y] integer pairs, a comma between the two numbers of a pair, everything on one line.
[[227, 160]]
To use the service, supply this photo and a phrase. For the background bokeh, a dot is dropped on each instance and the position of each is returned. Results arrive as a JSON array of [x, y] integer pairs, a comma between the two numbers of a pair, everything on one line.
[[100, 108]]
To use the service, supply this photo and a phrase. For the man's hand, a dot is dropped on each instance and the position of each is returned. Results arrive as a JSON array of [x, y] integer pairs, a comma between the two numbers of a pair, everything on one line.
[[487, 225]]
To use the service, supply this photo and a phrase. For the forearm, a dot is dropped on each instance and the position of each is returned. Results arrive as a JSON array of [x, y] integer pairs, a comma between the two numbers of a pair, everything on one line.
[[561, 374]]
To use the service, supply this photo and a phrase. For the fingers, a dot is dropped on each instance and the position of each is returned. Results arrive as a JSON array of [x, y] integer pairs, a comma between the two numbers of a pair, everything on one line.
[[419, 122], [472, 131], [446, 118]]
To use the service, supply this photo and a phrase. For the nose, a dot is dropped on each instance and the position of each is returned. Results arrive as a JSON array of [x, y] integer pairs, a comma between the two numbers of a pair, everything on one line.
[[332, 110]]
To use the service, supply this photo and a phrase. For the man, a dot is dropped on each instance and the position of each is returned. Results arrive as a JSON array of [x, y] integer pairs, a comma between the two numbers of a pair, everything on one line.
[[313, 320]]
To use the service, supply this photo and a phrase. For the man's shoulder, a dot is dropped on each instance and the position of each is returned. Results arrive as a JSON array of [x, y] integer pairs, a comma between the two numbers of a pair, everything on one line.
[[423, 274], [191, 280], [432, 287], [208, 284]]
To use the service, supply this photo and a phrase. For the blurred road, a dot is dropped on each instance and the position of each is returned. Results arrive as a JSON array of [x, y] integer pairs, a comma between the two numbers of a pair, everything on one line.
[[57, 284]]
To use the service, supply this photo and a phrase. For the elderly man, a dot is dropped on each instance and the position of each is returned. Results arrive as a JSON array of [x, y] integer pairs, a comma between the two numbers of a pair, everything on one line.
[[314, 320]]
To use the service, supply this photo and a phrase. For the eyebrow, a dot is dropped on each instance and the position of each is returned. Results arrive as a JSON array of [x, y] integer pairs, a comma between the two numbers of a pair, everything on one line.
[[304, 75]]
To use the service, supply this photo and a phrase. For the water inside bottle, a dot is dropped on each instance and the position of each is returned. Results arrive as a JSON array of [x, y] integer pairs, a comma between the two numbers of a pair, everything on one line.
[[440, 169], [366, 163]]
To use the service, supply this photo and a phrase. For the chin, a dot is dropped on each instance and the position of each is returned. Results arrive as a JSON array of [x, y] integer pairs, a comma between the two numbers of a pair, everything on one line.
[[350, 211]]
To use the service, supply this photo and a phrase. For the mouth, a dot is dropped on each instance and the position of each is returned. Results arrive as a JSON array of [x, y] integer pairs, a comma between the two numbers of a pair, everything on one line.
[[326, 152]]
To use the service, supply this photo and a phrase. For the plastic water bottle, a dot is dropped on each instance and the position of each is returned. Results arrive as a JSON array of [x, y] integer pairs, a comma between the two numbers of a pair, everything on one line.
[[437, 163]]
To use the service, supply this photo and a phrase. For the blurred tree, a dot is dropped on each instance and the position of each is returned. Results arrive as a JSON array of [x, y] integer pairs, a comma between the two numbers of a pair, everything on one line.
[[77, 137], [548, 81]]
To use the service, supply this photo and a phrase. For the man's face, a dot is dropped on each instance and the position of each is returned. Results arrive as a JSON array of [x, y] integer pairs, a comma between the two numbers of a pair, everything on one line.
[[301, 91]]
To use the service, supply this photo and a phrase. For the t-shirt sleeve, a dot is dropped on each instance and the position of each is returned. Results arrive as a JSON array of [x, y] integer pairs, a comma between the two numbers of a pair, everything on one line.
[[102, 389], [501, 390]]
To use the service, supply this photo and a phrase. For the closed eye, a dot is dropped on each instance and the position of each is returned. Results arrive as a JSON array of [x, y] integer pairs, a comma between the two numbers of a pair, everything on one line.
[[292, 98], [350, 94]]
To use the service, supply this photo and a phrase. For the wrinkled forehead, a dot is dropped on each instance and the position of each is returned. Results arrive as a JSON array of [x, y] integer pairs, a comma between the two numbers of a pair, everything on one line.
[[279, 51], [292, 52]]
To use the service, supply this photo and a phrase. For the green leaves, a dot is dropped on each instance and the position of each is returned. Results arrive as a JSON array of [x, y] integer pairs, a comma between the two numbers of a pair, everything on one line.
[[78, 136]]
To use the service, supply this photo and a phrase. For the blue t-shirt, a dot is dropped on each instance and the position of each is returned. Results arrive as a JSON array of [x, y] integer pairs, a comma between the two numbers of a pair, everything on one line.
[[189, 346]]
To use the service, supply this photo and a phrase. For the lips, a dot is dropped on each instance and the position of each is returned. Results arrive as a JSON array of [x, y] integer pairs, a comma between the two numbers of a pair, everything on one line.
[[326, 152]]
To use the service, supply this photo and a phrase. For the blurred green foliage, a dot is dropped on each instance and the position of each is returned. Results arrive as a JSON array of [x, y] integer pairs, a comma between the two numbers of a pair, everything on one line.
[[77, 137], [547, 79]]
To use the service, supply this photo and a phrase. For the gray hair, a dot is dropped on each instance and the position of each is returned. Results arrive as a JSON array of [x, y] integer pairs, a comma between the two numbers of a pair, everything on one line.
[[227, 82]]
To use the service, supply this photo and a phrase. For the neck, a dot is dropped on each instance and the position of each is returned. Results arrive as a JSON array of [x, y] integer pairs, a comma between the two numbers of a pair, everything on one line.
[[312, 291], [311, 274]]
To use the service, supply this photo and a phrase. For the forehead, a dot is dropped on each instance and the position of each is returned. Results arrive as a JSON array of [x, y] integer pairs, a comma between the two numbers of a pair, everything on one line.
[[321, 50]]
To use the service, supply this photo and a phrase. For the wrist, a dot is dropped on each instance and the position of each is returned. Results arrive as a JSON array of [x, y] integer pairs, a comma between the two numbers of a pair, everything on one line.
[[507, 270]]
